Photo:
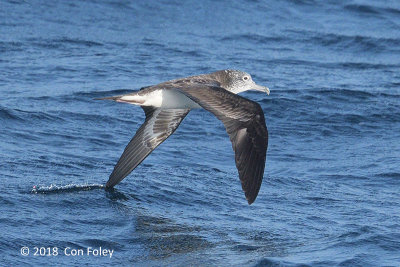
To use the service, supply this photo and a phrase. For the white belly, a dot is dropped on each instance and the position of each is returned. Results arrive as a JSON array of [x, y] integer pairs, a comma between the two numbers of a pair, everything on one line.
[[168, 99], [175, 99]]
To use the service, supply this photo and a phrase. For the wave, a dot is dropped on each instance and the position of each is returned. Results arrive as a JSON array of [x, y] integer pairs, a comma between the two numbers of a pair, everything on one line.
[[355, 42], [7, 114], [362, 9], [339, 65], [324, 40], [274, 262], [257, 38], [61, 43], [10, 46], [371, 10]]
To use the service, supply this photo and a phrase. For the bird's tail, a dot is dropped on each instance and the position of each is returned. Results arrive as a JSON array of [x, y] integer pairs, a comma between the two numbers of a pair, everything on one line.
[[130, 99], [115, 98]]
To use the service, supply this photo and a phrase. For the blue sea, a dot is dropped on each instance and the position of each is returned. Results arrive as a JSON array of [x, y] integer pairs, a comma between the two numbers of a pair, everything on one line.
[[331, 189]]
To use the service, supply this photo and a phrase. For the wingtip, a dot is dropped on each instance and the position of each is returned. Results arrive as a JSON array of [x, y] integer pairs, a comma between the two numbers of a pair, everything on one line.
[[250, 200], [251, 197]]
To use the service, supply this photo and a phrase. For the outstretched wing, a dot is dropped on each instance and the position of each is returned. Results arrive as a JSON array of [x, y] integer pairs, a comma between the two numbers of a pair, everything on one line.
[[158, 126], [245, 123]]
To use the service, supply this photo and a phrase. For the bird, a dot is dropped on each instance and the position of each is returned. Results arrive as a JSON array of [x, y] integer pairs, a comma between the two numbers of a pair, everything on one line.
[[166, 104]]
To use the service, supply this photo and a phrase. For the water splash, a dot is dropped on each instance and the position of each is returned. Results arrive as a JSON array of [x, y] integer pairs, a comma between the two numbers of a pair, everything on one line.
[[64, 188]]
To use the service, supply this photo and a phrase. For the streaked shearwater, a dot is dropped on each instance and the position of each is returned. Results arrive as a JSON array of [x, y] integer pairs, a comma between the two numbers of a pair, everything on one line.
[[167, 104]]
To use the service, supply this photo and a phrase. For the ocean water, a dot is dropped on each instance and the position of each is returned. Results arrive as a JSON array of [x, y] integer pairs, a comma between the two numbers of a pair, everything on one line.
[[331, 189]]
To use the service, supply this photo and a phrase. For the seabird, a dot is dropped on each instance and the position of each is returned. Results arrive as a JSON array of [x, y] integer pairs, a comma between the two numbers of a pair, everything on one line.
[[167, 104]]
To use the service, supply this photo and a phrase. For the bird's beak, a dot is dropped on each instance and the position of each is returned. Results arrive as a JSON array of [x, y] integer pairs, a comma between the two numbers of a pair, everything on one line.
[[260, 88]]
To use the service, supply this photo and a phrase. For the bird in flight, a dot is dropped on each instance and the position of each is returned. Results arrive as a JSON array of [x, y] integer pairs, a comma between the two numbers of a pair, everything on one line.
[[167, 104]]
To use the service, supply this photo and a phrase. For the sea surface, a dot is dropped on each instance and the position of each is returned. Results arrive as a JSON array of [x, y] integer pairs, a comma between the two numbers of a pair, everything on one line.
[[331, 189]]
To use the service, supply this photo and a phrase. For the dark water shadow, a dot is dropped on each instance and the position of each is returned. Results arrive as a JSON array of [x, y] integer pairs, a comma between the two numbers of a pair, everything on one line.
[[166, 238], [162, 238], [114, 195]]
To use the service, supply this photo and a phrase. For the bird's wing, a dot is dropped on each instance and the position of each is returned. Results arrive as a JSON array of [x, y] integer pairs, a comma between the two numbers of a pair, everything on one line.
[[158, 126], [245, 123]]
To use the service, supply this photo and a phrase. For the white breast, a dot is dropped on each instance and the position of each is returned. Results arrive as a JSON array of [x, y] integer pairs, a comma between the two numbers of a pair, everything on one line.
[[169, 99]]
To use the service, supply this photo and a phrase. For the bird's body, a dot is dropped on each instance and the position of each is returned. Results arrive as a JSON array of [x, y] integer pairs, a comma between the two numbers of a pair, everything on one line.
[[161, 98], [167, 104]]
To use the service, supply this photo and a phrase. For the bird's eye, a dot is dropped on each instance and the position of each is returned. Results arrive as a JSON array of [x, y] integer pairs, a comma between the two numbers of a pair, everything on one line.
[[245, 78]]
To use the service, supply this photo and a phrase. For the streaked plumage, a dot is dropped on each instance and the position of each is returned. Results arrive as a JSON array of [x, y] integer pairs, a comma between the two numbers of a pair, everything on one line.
[[168, 103]]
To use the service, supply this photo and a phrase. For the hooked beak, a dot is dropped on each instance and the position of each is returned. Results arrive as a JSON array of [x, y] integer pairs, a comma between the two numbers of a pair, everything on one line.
[[260, 88]]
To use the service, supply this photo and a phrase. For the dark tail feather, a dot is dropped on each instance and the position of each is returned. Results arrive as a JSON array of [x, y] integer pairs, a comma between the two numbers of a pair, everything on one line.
[[115, 98]]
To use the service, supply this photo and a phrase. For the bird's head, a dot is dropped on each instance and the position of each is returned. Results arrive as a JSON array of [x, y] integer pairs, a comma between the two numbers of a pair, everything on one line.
[[238, 81]]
